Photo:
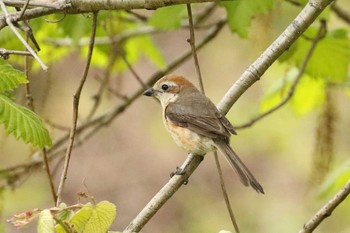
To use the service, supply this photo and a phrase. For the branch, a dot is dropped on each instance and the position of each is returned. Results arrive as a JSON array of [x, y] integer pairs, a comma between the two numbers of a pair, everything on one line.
[[76, 99], [191, 163], [86, 6], [8, 20], [326, 210], [305, 18]]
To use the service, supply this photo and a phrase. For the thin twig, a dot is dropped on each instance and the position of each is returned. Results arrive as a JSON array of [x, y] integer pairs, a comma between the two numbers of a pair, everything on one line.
[[6, 53], [98, 96], [76, 100], [24, 42], [30, 104], [326, 210], [133, 71], [24, 9], [320, 34], [192, 42], [224, 193]]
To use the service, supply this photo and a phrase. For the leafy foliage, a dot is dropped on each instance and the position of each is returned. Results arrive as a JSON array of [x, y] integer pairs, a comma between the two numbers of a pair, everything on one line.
[[10, 78], [23, 123], [168, 18], [330, 59], [19, 121], [241, 12], [91, 218], [45, 223], [329, 64]]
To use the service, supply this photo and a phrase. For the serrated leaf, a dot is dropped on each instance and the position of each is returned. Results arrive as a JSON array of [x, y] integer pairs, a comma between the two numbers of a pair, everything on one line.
[[167, 18], [94, 219], [241, 12], [45, 222], [23, 123], [10, 78]]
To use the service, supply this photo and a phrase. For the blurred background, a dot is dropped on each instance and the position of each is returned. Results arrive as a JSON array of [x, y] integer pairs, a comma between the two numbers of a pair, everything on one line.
[[129, 160]]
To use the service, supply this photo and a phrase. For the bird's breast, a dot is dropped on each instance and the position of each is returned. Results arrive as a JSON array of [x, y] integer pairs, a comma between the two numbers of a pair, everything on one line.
[[189, 140]]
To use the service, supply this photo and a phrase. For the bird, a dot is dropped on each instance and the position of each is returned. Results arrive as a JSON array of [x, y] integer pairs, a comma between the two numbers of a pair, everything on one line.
[[196, 125]]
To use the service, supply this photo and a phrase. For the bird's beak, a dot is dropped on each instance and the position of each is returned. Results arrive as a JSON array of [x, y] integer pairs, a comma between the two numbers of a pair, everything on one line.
[[149, 92]]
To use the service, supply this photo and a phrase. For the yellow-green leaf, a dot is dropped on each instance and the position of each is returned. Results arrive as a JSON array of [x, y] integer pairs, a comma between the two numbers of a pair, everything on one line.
[[167, 18], [46, 222], [309, 94], [94, 219], [10, 78]]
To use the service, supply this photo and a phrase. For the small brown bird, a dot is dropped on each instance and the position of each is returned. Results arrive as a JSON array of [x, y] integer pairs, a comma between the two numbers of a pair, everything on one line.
[[195, 123]]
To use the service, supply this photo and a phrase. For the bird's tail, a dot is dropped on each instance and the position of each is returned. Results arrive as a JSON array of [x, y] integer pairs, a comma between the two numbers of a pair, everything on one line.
[[238, 166]]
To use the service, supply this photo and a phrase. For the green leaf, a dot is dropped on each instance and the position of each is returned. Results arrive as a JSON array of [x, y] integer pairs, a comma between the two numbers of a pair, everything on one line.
[[330, 60], [45, 222], [309, 94], [23, 123], [143, 45], [167, 18], [241, 12], [10, 78], [94, 219]]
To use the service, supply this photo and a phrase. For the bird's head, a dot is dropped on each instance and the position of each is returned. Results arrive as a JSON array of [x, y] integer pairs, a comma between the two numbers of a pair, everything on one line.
[[169, 88]]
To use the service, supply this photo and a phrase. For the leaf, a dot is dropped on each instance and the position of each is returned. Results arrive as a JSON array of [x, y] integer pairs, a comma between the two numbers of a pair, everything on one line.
[[309, 94], [167, 18], [46, 222], [10, 78], [241, 12], [23, 123], [330, 60], [144, 45], [94, 219]]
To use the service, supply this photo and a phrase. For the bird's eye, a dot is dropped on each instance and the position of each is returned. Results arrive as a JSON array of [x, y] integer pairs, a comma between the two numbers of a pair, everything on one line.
[[165, 87]]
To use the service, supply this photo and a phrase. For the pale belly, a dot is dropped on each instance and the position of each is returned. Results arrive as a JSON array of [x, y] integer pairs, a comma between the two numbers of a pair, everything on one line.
[[190, 141]]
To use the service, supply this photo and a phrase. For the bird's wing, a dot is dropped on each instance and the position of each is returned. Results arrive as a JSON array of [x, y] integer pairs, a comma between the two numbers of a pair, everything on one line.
[[199, 115]]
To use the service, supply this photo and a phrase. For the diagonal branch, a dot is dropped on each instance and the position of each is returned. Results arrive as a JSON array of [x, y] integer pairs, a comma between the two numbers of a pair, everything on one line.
[[326, 210]]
